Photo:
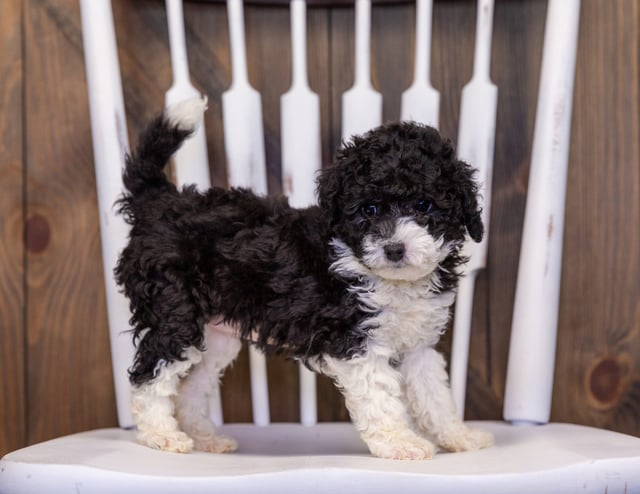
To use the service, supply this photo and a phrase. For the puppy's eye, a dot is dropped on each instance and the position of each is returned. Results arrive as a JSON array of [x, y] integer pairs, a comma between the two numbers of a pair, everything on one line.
[[423, 206], [370, 210]]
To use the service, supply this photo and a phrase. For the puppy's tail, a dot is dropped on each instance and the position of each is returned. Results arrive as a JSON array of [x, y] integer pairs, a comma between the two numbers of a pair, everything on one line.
[[157, 143]]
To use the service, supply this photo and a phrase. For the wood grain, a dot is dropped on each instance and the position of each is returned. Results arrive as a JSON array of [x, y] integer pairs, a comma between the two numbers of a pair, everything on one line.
[[57, 356], [69, 382], [598, 372], [13, 427]]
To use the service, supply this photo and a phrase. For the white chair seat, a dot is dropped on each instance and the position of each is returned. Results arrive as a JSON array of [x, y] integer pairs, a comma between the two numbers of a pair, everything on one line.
[[553, 458]]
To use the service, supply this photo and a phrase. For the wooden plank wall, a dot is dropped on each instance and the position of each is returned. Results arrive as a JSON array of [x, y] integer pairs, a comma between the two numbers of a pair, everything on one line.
[[54, 355], [12, 298]]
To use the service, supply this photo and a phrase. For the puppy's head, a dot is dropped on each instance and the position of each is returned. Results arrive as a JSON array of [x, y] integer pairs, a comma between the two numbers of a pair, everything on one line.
[[400, 201]]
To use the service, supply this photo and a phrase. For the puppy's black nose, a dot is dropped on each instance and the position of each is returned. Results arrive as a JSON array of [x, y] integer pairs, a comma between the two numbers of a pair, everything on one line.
[[394, 252]]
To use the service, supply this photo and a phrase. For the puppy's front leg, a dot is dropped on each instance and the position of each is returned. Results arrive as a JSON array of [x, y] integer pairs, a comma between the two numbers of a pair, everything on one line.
[[431, 404], [373, 395]]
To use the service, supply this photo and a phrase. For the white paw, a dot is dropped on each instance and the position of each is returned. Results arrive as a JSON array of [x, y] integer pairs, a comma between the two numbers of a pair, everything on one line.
[[175, 441], [405, 446], [187, 114], [215, 444], [463, 438]]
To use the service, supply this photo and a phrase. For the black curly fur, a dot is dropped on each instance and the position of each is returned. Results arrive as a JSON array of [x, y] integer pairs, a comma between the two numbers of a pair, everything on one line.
[[264, 266]]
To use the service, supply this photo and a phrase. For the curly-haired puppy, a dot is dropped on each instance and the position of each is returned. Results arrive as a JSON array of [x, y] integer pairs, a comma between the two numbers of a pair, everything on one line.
[[358, 287]]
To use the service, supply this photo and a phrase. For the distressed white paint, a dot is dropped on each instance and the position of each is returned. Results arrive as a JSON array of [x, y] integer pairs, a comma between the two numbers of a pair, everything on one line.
[[300, 120], [476, 138], [361, 105], [244, 146], [535, 314], [242, 114], [110, 143], [330, 457], [301, 158], [421, 102], [191, 160]]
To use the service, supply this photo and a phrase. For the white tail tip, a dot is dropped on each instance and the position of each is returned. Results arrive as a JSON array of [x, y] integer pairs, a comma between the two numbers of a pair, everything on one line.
[[187, 114]]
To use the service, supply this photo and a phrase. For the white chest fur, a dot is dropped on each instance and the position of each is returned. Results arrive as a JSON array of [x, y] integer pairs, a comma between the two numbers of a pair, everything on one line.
[[404, 314]]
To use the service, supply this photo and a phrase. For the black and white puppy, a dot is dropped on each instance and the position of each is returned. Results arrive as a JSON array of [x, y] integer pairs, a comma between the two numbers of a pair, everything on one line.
[[359, 287]]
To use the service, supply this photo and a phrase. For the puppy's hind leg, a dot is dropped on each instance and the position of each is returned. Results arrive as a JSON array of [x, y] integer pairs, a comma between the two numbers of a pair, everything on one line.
[[153, 408], [192, 400]]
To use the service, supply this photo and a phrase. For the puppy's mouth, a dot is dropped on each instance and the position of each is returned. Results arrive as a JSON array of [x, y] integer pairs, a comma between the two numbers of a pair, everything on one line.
[[409, 254], [406, 269]]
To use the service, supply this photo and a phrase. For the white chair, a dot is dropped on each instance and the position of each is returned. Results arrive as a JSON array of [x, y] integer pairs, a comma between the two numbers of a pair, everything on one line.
[[330, 457]]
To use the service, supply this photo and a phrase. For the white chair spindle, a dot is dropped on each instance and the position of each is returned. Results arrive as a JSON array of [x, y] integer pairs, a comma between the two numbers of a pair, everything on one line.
[[535, 314], [301, 159], [244, 146], [361, 105], [421, 102], [110, 144], [300, 120], [476, 139], [191, 160], [242, 114]]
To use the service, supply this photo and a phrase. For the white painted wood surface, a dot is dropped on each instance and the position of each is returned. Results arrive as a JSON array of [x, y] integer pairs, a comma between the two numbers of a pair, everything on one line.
[[242, 114], [301, 159], [300, 120], [330, 458], [421, 102], [110, 143], [191, 160], [531, 360], [476, 142], [361, 105], [244, 147]]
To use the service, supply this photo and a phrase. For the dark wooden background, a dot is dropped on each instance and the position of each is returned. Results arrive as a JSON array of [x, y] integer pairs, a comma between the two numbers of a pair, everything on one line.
[[55, 369]]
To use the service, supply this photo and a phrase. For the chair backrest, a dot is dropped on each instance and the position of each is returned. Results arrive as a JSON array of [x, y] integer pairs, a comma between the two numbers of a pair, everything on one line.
[[538, 280]]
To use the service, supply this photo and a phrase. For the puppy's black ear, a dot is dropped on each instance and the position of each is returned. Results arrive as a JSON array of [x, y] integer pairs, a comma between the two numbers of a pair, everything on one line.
[[471, 210], [473, 221], [329, 190]]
